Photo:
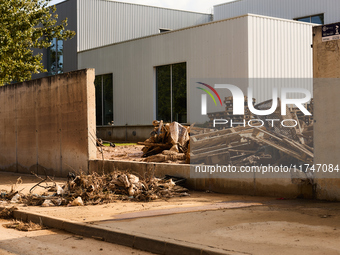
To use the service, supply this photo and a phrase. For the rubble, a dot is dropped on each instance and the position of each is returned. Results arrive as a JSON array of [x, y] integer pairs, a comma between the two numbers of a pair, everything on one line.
[[15, 199], [95, 189], [250, 145], [7, 213], [264, 142], [77, 202], [246, 146], [168, 142], [228, 113], [22, 226]]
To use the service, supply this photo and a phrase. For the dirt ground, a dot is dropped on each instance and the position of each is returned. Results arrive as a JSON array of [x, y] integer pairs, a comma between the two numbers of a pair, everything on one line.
[[237, 224], [127, 153], [122, 152]]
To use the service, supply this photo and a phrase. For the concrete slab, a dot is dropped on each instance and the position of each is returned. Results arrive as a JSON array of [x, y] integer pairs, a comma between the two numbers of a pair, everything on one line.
[[121, 237], [176, 210], [275, 227]]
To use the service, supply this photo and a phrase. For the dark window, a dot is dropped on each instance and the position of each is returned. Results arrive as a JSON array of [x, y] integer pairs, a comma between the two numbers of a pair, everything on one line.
[[56, 57], [163, 30], [318, 19], [104, 99], [171, 93]]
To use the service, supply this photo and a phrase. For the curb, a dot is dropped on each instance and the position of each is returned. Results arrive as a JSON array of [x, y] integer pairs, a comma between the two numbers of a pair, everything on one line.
[[117, 236]]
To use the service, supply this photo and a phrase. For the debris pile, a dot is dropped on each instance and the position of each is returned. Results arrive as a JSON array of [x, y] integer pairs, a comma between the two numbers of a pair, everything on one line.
[[7, 213], [269, 143], [228, 113], [98, 189], [167, 143], [24, 226], [260, 142]]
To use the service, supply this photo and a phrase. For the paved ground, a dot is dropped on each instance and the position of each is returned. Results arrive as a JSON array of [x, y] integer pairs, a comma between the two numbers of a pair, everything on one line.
[[231, 224], [54, 241], [292, 227]]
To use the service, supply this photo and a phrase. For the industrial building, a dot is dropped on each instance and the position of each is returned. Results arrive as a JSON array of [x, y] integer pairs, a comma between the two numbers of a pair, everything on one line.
[[313, 11], [146, 57]]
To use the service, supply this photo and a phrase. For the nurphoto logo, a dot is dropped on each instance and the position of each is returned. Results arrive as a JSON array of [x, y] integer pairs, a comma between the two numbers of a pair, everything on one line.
[[239, 104]]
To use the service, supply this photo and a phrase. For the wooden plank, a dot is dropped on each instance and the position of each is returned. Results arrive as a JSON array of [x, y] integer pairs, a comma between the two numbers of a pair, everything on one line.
[[208, 140], [219, 150], [208, 154], [222, 132], [267, 133], [302, 157], [299, 147], [215, 140], [242, 151], [299, 130], [241, 156]]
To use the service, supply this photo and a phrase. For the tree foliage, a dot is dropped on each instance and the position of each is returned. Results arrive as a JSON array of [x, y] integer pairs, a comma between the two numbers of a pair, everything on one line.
[[25, 25]]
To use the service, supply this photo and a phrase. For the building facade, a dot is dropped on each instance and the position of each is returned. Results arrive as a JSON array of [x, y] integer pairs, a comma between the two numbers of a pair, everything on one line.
[[102, 22], [147, 57], [152, 75], [314, 11]]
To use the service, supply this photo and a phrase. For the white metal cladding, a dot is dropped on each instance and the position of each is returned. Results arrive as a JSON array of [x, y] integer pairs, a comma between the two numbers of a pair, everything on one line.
[[103, 22], [287, 9], [279, 49], [233, 48], [208, 50]]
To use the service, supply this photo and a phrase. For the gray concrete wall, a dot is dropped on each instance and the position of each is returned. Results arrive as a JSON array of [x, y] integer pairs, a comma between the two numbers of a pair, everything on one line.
[[124, 133], [326, 114], [48, 123], [327, 137]]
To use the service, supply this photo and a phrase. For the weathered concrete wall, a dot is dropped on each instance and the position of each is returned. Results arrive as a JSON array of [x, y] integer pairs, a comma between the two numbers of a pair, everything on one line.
[[326, 56], [326, 114], [327, 137], [48, 123]]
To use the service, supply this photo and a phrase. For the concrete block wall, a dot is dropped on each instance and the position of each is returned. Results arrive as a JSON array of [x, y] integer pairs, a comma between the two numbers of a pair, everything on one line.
[[48, 124]]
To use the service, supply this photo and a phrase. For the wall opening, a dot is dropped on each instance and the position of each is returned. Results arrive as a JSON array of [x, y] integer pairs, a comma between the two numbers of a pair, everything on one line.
[[104, 100], [317, 19], [171, 93]]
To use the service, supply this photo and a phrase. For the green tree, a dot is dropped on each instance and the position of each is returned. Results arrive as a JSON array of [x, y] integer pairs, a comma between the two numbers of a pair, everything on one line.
[[25, 25]]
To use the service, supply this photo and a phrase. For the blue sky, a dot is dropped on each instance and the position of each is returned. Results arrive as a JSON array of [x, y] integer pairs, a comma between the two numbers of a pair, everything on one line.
[[188, 5]]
